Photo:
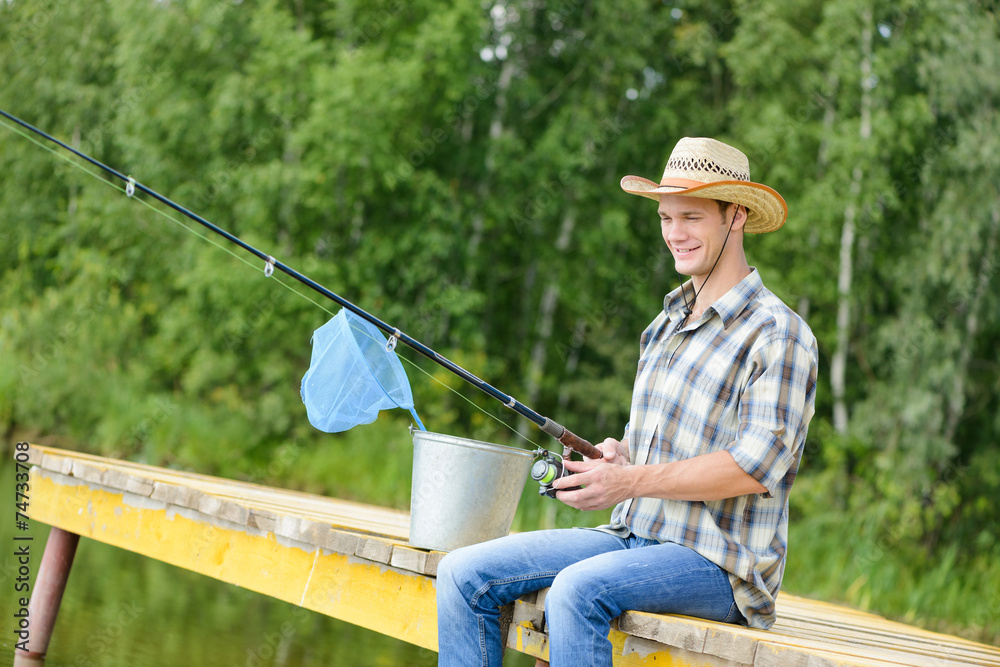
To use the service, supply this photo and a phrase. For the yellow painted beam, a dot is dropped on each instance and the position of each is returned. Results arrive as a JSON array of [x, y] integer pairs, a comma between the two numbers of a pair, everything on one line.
[[658, 655], [394, 602]]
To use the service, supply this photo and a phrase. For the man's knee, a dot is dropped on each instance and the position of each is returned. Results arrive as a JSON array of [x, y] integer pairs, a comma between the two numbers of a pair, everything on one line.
[[575, 591], [569, 587], [463, 573], [450, 571]]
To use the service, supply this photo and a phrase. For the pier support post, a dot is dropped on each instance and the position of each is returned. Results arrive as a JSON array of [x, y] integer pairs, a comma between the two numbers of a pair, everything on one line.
[[48, 591]]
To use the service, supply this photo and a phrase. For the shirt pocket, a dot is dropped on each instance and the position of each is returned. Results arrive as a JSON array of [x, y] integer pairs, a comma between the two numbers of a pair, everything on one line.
[[716, 380], [710, 404]]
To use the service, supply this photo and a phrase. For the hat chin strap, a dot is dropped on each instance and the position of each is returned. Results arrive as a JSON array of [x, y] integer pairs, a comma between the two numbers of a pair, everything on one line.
[[689, 307]]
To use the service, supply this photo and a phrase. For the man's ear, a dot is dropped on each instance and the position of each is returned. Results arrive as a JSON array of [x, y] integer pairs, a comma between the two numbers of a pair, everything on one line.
[[741, 217]]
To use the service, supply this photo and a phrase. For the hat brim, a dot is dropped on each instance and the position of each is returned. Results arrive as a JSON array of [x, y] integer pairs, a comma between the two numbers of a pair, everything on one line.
[[766, 209]]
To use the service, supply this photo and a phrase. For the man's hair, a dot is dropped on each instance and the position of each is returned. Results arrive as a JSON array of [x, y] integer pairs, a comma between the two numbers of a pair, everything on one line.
[[724, 209]]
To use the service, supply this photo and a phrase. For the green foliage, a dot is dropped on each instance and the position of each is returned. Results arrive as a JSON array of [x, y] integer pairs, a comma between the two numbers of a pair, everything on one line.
[[437, 165]]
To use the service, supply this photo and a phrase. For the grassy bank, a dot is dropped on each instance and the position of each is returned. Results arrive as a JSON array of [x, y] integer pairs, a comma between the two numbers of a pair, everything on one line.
[[955, 590]]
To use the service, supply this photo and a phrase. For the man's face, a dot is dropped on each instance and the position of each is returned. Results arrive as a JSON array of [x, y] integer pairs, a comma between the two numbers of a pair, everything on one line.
[[694, 229]]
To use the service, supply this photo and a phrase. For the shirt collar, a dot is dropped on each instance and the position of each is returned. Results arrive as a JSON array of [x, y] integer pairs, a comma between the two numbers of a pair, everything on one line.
[[729, 305]]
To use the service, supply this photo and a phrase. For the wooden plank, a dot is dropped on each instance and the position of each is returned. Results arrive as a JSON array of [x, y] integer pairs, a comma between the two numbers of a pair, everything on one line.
[[433, 558], [687, 636], [528, 615], [744, 644], [193, 486], [737, 647], [374, 549], [139, 486], [798, 617], [342, 542], [50, 461], [35, 454], [527, 640], [220, 508], [164, 491], [920, 652], [540, 596], [408, 558], [262, 520], [114, 477], [346, 514], [314, 531], [88, 472]]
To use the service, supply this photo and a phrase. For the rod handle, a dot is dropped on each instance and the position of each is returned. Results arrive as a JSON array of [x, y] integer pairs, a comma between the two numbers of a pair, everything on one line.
[[573, 441]]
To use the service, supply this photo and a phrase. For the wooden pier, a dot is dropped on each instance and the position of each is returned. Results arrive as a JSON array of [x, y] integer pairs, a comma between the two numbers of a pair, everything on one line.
[[352, 562]]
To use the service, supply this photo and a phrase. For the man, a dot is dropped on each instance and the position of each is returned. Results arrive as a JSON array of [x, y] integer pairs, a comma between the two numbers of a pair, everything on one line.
[[721, 404]]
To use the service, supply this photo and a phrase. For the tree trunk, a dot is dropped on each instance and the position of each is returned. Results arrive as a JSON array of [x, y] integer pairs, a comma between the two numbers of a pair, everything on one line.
[[956, 400], [546, 313], [572, 360], [822, 162], [838, 365], [483, 186]]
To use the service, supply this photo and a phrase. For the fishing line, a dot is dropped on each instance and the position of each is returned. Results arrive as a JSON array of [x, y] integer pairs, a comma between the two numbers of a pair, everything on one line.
[[129, 189], [163, 213]]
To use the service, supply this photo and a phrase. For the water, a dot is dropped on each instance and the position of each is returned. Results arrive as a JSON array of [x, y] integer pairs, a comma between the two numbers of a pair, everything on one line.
[[121, 609]]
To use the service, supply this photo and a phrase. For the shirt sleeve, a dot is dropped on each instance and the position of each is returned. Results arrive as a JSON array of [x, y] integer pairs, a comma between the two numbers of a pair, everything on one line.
[[775, 409]]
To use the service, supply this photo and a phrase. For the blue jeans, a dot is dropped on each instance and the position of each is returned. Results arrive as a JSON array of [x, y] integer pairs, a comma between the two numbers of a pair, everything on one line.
[[594, 577]]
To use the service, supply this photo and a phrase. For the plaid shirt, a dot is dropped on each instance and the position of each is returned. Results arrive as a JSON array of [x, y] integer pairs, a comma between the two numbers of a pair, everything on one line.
[[742, 379]]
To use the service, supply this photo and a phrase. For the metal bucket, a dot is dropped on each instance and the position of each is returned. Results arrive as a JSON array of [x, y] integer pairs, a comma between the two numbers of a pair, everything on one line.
[[464, 491]]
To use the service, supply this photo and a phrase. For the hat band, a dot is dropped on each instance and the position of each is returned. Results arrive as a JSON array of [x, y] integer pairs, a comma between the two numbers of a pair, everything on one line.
[[681, 183]]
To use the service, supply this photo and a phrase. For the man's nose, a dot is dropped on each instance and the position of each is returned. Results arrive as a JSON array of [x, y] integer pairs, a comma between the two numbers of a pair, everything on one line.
[[676, 234]]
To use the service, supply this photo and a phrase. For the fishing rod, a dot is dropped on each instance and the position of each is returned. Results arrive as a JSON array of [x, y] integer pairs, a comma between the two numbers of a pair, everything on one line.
[[567, 438]]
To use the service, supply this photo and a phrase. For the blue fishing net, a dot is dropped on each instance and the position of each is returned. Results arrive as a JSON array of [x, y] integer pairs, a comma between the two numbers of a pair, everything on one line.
[[352, 376]]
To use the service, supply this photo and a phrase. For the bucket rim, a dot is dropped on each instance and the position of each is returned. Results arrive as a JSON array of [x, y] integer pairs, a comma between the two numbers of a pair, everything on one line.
[[444, 438]]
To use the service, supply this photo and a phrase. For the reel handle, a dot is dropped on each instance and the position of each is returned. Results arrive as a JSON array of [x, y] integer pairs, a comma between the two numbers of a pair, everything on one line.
[[573, 441]]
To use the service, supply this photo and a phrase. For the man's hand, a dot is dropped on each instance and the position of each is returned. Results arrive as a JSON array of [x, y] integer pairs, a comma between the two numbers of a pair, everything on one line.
[[605, 483], [615, 452]]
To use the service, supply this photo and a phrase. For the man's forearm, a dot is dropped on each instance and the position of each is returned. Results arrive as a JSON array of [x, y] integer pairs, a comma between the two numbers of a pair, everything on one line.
[[602, 484], [708, 477]]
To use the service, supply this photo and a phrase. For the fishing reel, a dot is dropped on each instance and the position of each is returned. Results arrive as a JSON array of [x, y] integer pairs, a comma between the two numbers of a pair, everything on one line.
[[548, 469]]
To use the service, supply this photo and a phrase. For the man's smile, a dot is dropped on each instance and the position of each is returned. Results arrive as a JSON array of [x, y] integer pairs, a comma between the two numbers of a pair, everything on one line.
[[684, 251]]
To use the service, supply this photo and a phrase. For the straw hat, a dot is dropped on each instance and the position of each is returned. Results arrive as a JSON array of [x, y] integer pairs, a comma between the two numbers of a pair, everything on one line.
[[710, 169]]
